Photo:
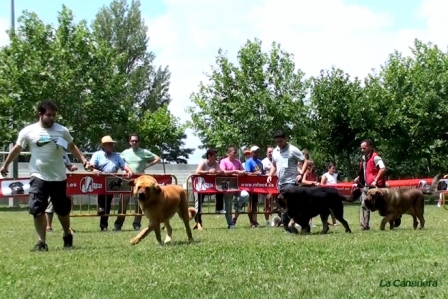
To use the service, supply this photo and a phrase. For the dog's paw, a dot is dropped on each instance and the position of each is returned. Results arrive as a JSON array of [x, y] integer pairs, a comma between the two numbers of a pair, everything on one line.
[[134, 241]]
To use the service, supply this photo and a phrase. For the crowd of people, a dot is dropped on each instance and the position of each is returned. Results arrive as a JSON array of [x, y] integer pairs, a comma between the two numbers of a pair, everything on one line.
[[292, 167], [48, 142]]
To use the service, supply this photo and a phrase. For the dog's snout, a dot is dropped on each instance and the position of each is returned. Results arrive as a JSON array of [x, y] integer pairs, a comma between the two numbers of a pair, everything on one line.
[[141, 195]]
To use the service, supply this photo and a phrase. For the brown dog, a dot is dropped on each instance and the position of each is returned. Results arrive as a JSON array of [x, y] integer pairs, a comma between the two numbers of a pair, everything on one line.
[[393, 203], [159, 204]]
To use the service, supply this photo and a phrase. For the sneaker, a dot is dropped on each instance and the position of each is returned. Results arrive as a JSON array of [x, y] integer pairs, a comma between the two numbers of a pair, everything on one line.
[[136, 227], [221, 212], [116, 229], [104, 229], [40, 246], [231, 226], [49, 229], [68, 241], [268, 223]]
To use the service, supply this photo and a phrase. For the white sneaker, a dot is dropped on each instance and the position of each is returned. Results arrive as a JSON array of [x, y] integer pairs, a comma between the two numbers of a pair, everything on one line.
[[222, 211], [438, 205], [268, 223], [231, 226]]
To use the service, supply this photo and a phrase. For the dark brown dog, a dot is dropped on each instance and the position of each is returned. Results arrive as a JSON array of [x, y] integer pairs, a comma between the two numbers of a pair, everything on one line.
[[393, 203], [159, 204]]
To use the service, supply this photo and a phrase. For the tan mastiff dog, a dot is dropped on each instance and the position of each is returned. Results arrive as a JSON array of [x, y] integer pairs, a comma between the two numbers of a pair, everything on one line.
[[393, 203], [159, 204]]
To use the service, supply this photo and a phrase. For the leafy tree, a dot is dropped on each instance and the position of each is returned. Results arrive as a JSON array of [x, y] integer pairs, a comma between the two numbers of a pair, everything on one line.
[[411, 106], [243, 104], [65, 64], [147, 87], [163, 134], [333, 93]]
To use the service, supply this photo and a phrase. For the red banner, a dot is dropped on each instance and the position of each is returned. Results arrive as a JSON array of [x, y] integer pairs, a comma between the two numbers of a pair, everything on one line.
[[209, 184], [80, 184]]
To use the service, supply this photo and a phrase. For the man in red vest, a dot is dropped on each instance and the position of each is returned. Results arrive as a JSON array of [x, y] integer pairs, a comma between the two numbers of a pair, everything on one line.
[[371, 174]]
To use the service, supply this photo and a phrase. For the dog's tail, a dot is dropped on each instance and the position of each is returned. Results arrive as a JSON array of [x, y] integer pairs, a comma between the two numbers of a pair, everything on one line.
[[191, 213], [434, 183], [356, 193]]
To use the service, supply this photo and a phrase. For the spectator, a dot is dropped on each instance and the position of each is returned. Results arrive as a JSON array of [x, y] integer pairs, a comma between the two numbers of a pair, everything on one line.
[[231, 165], [268, 200], [207, 166], [107, 161], [138, 159], [253, 166], [330, 178]]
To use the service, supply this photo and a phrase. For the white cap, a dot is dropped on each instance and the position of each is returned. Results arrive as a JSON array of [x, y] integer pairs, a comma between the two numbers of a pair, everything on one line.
[[254, 148]]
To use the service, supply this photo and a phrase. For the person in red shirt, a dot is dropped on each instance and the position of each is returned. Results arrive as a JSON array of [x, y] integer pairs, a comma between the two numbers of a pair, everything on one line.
[[371, 175]]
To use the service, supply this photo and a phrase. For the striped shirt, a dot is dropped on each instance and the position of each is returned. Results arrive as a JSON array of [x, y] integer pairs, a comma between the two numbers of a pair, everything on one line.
[[286, 163]]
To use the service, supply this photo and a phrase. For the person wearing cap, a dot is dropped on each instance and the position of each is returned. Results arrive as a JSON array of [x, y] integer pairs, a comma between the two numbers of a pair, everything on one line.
[[107, 161], [253, 166], [246, 157]]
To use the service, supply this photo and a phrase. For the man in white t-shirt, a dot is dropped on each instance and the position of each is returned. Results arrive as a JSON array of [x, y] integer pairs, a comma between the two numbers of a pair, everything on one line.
[[47, 142], [284, 163]]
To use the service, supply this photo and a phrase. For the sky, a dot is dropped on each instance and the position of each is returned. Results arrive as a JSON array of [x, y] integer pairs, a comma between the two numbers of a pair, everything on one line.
[[354, 35]]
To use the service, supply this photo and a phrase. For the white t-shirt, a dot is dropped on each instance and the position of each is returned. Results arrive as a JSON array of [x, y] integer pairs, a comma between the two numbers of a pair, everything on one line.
[[267, 165], [331, 178], [47, 155]]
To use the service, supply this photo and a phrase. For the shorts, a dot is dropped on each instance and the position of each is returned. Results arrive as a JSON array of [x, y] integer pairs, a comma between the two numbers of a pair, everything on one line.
[[40, 193]]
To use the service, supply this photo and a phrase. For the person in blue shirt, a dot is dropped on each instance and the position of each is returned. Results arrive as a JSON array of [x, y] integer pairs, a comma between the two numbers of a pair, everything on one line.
[[253, 166], [107, 161]]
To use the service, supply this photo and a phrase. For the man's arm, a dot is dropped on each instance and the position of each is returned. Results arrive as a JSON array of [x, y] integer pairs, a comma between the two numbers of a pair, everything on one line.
[[200, 168], [13, 154], [77, 153], [152, 158]]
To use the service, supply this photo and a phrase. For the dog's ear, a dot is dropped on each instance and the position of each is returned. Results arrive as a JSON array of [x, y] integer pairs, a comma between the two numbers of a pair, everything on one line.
[[131, 182], [157, 188]]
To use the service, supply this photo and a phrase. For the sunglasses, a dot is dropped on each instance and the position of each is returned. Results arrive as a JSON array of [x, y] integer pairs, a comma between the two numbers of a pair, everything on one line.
[[134, 141]]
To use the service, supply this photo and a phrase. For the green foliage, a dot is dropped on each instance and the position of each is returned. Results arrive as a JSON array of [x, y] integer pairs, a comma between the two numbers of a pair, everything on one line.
[[147, 87], [243, 104], [163, 134], [65, 64], [403, 108], [103, 80]]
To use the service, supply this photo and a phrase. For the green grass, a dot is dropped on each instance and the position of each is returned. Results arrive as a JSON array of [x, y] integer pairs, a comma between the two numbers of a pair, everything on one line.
[[240, 263]]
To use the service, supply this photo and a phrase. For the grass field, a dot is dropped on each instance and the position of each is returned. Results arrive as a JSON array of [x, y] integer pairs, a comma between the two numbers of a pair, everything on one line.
[[222, 263]]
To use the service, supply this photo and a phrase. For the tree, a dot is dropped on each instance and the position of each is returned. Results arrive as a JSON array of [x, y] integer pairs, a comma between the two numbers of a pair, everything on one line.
[[243, 104], [147, 86], [163, 134], [333, 93], [411, 102], [68, 65]]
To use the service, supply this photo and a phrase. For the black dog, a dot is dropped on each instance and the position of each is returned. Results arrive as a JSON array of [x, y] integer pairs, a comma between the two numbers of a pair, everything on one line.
[[304, 203], [116, 185], [16, 188]]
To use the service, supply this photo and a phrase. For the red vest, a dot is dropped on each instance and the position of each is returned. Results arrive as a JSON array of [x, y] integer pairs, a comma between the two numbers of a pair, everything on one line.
[[371, 171]]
